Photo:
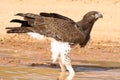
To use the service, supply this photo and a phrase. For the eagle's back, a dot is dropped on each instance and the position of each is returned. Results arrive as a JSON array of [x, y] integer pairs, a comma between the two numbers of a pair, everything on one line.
[[58, 27]]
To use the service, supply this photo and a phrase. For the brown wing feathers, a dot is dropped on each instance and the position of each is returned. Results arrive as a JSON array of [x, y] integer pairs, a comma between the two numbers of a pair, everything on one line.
[[55, 15], [57, 26]]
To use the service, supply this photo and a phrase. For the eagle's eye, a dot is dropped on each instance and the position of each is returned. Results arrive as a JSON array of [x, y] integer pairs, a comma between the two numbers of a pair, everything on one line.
[[92, 15]]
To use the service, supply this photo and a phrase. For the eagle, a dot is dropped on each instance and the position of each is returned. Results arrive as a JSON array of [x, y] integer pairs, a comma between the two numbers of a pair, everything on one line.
[[62, 31]]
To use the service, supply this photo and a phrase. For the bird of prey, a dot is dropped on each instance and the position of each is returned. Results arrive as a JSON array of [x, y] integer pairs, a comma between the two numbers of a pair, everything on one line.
[[62, 31]]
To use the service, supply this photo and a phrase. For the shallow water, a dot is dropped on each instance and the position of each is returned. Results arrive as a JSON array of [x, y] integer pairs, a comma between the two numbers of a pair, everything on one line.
[[45, 73], [94, 70], [27, 73]]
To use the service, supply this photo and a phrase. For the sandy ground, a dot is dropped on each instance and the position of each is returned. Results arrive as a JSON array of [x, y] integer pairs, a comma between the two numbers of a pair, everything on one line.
[[21, 49]]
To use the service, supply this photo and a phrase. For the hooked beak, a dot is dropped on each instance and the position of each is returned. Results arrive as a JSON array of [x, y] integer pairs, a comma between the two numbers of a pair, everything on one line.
[[99, 15]]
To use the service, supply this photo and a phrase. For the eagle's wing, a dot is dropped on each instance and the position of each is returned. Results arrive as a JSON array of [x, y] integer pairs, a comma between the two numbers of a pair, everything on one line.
[[58, 28], [56, 15]]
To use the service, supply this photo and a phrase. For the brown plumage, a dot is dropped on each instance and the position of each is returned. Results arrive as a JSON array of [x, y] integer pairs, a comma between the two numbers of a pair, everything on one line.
[[63, 29], [57, 26]]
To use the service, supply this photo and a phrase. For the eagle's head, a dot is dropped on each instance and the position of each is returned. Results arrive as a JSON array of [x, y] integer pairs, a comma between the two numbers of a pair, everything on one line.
[[92, 16]]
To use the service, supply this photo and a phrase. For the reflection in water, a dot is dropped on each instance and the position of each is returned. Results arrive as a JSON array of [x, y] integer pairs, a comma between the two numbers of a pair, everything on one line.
[[43, 73], [64, 76]]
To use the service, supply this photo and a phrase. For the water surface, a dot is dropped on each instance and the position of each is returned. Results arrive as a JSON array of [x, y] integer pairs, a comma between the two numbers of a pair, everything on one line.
[[45, 73]]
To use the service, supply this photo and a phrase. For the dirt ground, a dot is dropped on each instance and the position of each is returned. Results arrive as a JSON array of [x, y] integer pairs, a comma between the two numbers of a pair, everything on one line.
[[20, 49]]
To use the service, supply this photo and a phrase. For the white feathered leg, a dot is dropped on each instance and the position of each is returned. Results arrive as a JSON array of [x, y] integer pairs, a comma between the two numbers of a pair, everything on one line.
[[65, 58], [55, 49], [62, 66], [60, 51]]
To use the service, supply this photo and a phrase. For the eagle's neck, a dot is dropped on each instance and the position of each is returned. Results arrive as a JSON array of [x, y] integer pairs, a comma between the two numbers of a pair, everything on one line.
[[86, 28]]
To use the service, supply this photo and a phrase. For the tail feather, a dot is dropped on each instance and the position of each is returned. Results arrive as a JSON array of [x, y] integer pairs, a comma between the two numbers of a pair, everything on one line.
[[28, 21], [20, 14], [23, 23], [17, 30], [28, 15], [17, 20], [10, 27]]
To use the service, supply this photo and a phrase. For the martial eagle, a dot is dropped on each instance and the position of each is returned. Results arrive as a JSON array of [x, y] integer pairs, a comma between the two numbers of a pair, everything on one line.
[[62, 31]]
